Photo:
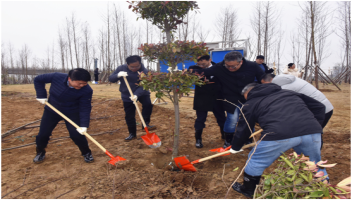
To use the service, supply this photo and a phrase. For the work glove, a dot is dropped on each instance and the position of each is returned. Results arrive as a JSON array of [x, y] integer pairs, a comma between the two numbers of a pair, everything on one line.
[[42, 100], [134, 98], [233, 151], [302, 71], [81, 130], [122, 73]]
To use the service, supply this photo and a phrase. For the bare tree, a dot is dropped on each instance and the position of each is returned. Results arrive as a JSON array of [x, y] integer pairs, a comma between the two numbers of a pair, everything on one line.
[[279, 48], [202, 34], [74, 25], [344, 32], [257, 25], [87, 45], [68, 32], [24, 54], [4, 66], [62, 49], [315, 23], [227, 26]]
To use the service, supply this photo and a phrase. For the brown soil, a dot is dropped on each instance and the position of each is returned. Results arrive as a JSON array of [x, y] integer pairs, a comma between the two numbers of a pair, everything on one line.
[[146, 172]]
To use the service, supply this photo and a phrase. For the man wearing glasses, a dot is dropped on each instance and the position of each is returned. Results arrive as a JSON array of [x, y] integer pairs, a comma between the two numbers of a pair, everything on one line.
[[205, 100], [130, 71], [233, 73]]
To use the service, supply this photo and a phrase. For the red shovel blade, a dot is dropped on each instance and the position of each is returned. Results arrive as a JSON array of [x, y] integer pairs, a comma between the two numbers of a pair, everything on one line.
[[116, 159], [221, 150], [113, 160], [183, 163], [151, 139]]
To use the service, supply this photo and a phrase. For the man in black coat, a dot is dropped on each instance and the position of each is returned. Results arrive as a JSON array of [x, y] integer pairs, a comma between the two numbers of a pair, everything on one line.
[[288, 119], [205, 100], [130, 71], [233, 73], [262, 65]]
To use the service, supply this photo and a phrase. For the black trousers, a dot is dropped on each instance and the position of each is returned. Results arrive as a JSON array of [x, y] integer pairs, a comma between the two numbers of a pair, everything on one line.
[[218, 112], [49, 122], [325, 122], [96, 77], [130, 110]]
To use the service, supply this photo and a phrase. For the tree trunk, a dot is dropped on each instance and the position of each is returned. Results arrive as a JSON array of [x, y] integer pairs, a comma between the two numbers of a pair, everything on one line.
[[177, 124], [313, 45]]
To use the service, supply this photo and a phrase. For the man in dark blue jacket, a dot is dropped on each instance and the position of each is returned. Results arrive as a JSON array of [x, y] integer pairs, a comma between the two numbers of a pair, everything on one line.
[[288, 119], [205, 100], [71, 95], [131, 71]]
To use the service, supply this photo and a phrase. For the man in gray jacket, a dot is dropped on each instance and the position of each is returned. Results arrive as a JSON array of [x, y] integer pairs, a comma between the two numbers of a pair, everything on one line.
[[130, 71], [293, 83]]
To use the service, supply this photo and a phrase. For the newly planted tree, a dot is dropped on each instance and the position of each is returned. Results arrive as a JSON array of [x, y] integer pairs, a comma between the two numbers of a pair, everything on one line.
[[166, 15]]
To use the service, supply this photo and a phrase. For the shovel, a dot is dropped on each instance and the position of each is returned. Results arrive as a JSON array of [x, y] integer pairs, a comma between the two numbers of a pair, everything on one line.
[[183, 162], [113, 160], [151, 139], [221, 149]]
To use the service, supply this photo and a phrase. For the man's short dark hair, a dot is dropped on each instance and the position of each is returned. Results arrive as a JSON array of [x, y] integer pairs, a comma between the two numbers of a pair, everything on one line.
[[290, 65], [260, 57], [133, 59], [267, 77], [233, 56], [204, 57], [248, 87], [79, 74]]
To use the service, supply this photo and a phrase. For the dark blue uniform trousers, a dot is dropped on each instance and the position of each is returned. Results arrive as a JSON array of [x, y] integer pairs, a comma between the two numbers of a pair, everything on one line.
[[130, 110], [218, 112], [49, 122]]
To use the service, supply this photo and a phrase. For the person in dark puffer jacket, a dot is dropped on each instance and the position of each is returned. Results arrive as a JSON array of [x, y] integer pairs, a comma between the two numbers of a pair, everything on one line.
[[288, 119], [131, 71], [205, 99], [71, 95]]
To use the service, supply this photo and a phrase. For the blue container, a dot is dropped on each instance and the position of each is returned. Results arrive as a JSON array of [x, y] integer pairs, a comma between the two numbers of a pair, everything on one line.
[[218, 56]]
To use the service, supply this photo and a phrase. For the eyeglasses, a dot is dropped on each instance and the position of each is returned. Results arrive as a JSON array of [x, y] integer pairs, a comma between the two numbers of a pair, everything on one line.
[[233, 67], [135, 67]]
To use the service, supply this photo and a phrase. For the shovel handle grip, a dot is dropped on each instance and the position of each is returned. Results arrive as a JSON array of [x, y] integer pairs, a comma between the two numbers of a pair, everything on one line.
[[75, 125], [223, 153], [137, 108]]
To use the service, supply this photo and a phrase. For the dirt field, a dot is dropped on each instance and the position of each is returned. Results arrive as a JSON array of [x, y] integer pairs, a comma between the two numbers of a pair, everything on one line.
[[145, 174]]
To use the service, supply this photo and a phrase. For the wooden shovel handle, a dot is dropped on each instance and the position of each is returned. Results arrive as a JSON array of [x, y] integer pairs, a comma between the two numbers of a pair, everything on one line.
[[226, 152], [223, 153], [75, 125], [139, 112]]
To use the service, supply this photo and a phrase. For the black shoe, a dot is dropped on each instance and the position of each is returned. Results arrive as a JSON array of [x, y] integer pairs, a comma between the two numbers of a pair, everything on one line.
[[222, 132], [132, 130], [88, 157], [248, 186], [150, 127], [198, 135], [131, 137], [199, 143], [228, 139], [39, 158], [226, 144]]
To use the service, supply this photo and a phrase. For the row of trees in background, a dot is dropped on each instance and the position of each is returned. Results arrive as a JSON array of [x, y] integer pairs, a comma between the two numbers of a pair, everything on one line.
[[120, 36]]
